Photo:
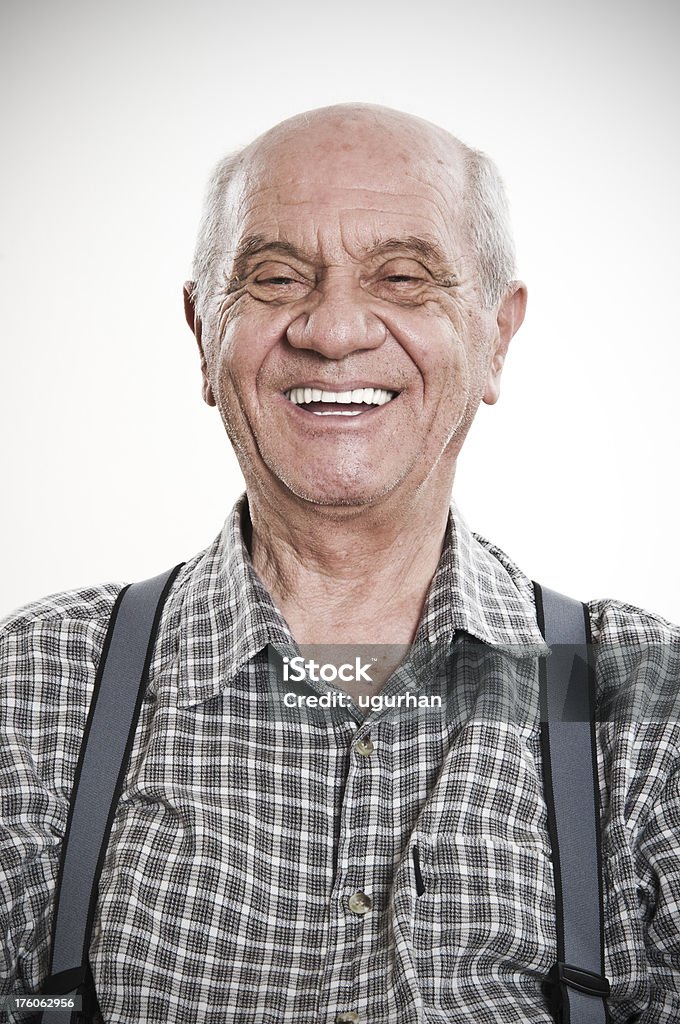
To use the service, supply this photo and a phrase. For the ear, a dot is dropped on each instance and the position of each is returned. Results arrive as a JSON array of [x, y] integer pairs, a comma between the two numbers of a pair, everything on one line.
[[509, 317], [196, 326]]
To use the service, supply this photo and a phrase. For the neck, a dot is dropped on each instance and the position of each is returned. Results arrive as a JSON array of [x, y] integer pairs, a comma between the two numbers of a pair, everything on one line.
[[349, 575]]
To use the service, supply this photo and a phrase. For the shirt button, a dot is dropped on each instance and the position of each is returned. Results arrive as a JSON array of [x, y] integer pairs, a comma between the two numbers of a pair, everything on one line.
[[360, 903], [348, 1017], [364, 747]]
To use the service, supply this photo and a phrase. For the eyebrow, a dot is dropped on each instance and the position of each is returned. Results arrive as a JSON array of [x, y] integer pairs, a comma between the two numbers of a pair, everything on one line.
[[254, 245], [430, 251]]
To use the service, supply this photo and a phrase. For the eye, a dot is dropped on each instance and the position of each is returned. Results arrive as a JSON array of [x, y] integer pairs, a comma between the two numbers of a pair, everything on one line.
[[401, 280], [277, 282]]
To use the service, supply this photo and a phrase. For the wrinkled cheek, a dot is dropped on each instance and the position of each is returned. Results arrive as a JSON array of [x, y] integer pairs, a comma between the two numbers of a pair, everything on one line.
[[452, 378], [460, 400], [230, 398]]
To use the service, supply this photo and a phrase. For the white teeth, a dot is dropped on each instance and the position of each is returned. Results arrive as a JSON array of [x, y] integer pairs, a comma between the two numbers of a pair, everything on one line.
[[358, 396]]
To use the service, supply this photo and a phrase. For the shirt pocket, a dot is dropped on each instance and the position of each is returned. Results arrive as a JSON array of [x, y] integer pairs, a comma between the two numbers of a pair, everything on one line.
[[482, 905]]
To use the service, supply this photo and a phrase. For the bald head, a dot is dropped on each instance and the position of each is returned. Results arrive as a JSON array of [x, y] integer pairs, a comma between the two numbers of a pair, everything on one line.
[[374, 147], [395, 136]]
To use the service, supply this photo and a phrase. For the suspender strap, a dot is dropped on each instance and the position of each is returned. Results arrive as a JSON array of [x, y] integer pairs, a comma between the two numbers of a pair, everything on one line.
[[109, 733], [576, 984]]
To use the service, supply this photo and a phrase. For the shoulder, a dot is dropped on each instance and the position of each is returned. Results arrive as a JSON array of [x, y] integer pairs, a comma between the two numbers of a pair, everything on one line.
[[60, 619], [56, 630], [54, 644], [638, 665], [56, 610], [637, 658], [617, 622], [49, 654]]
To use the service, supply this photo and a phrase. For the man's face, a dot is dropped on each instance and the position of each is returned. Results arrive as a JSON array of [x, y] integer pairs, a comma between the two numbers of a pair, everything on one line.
[[348, 349]]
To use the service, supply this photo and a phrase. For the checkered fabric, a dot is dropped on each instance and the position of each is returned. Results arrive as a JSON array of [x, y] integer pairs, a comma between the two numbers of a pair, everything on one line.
[[268, 867]]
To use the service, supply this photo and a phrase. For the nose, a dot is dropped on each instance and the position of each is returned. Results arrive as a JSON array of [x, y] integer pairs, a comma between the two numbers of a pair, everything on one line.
[[338, 321]]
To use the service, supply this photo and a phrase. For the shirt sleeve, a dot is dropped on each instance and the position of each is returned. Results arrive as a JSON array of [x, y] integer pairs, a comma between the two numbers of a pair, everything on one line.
[[48, 660], [659, 867]]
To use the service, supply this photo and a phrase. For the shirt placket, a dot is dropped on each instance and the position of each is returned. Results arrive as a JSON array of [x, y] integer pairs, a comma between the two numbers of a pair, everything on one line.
[[356, 896]]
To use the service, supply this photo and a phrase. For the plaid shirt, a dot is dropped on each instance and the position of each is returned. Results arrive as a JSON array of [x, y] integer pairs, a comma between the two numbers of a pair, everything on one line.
[[267, 868]]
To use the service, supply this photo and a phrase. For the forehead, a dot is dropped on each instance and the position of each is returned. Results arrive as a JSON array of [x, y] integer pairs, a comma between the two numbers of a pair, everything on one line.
[[344, 186]]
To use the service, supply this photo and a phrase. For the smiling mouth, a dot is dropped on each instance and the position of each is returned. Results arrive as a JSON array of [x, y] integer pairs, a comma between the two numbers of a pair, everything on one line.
[[331, 403]]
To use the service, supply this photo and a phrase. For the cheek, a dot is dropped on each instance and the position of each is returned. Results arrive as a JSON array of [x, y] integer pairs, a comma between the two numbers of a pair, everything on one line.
[[434, 341], [462, 340], [448, 346], [249, 338]]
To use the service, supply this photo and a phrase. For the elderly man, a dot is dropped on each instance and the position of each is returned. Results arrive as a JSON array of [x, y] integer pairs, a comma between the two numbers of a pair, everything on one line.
[[353, 304]]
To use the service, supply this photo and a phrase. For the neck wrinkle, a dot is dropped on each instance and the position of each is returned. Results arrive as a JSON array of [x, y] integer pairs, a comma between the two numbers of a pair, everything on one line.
[[317, 568]]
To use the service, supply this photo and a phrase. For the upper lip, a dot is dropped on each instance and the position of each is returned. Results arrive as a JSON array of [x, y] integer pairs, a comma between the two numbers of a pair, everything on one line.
[[339, 388]]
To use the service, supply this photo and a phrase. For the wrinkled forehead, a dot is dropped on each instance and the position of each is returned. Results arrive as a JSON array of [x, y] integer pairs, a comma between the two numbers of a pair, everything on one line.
[[350, 178]]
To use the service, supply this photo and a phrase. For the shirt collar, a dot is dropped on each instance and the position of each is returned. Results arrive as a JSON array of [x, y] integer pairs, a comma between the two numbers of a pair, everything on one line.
[[477, 589], [227, 616]]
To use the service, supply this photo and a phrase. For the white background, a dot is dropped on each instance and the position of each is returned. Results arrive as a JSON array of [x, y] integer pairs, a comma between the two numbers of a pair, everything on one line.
[[112, 468]]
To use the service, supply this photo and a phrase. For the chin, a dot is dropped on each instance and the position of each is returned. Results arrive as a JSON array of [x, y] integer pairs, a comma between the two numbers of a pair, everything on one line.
[[338, 493]]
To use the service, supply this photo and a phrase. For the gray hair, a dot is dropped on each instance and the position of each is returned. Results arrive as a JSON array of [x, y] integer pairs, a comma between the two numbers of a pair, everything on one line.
[[487, 222], [209, 250], [488, 225]]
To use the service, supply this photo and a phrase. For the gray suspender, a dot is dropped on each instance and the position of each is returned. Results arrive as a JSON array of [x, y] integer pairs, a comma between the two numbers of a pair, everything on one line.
[[119, 689], [576, 984]]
